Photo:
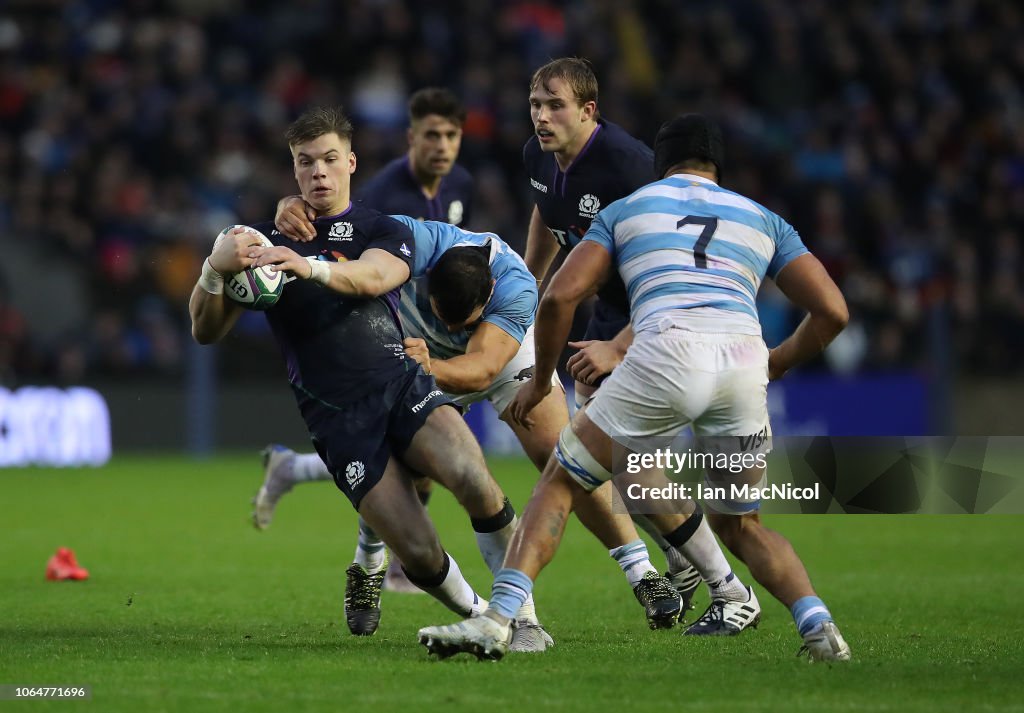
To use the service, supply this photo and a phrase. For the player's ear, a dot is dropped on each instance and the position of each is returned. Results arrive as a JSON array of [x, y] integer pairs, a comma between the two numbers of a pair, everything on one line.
[[351, 162], [588, 110]]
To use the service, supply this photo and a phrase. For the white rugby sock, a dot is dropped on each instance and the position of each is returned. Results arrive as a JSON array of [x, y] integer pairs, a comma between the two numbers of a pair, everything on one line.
[[453, 590], [492, 545], [370, 549], [308, 466], [730, 588], [703, 551], [695, 540], [675, 559], [677, 562]]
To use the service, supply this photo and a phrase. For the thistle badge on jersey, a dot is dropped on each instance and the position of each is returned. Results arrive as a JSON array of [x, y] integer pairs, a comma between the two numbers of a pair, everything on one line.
[[455, 212], [341, 231], [589, 205]]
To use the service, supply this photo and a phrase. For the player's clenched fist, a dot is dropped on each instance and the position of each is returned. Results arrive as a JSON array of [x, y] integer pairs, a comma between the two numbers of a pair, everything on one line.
[[416, 349]]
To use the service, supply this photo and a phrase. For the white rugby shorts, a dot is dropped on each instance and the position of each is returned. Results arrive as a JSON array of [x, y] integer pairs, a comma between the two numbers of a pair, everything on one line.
[[505, 386], [715, 383]]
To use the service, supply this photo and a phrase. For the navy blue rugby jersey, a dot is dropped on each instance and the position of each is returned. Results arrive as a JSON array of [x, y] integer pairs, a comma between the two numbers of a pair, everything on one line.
[[394, 190], [340, 348], [611, 166]]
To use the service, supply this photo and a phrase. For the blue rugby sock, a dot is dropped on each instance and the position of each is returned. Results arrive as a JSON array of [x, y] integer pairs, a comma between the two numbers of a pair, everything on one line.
[[808, 613], [510, 590]]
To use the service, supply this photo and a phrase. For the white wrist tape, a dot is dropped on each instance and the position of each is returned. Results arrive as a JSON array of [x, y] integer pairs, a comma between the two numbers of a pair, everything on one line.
[[211, 280], [320, 271]]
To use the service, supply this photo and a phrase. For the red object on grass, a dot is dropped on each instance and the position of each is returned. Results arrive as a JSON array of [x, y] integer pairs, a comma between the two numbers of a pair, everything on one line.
[[63, 565]]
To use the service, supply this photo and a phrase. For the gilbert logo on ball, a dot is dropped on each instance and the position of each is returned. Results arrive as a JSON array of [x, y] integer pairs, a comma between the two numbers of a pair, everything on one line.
[[256, 288]]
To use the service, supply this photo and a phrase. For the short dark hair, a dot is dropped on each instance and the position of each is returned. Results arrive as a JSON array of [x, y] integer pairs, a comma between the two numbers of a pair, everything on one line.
[[435, 100], [317, 122], [575, 72], [460, 282], [691, 141]]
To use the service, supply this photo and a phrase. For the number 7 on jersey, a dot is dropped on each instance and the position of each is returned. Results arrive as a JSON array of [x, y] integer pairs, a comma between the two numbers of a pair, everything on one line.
[[700, 255]]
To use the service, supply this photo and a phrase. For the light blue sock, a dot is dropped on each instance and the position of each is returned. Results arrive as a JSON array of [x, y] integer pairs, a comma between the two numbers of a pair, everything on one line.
[[510, 590], [808, 612]]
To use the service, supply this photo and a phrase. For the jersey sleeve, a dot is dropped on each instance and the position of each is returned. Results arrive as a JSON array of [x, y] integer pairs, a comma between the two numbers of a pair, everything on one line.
[[602, 230], [393, 237], [515, 309], [788, 245]]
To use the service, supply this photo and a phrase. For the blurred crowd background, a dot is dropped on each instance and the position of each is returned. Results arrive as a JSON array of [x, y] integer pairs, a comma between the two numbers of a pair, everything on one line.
[[889, 133]]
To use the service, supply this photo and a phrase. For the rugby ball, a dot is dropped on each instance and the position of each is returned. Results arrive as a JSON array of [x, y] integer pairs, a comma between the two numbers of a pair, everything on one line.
[[257, 288]]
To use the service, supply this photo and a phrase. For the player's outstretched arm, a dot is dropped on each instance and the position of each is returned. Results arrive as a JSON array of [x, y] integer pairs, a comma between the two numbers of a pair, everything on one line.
[[585, 269], [807, 284], [294, 218], [541, 247], [374, 273], [213, 314], [489, 350]]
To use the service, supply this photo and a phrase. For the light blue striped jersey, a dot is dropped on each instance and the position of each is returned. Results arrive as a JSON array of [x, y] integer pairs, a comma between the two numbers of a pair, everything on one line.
[[512, 305], [694, 254]]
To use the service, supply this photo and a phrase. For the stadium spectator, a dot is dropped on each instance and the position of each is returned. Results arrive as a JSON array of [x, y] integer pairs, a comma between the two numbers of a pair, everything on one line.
[[907, 116]]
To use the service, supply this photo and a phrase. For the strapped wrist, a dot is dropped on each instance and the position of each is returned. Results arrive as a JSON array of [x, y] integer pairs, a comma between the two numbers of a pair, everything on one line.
[[319, 271], [210, 280]]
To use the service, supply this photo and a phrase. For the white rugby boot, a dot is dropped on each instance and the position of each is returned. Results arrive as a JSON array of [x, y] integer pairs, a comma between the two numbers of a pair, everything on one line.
[[278, 479], [725, 617], [481, 636], [825, 643], [529, 637]]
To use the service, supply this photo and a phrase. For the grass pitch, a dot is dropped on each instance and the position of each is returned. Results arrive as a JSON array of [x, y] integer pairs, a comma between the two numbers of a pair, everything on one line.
[[188, 608]]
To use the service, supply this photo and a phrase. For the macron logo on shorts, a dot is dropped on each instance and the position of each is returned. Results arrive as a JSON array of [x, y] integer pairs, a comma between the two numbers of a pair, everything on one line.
[[421, 404]]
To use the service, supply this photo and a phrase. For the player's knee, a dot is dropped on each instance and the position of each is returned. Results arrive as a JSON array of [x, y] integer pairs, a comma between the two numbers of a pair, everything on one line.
[[572, 455], [422, 557]]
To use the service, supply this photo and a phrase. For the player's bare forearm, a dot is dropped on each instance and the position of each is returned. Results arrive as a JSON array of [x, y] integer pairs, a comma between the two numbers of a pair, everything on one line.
[[464, 374], [356, 280], [294, 218], [809, 339], [212, 315], [541, 247], [554, 320], [807, 284], [585, 269], [488, 351], [373, 274]]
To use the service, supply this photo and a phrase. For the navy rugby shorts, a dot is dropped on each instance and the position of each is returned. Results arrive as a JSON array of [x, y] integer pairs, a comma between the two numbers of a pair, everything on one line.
[[357, 440]]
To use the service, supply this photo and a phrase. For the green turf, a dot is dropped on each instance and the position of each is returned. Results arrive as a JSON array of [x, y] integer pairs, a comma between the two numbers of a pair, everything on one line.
[[188, 608]]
